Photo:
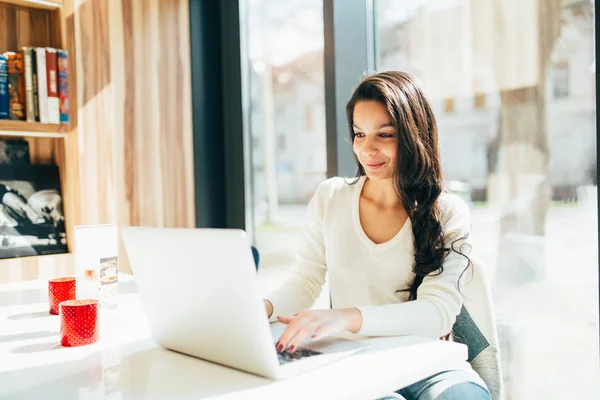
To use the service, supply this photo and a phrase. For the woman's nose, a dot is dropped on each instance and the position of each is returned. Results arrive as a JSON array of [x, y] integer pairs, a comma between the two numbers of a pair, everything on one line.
[[369, 147]]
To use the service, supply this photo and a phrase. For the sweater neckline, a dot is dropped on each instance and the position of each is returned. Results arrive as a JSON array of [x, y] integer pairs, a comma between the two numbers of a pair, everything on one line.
[[358, 226]]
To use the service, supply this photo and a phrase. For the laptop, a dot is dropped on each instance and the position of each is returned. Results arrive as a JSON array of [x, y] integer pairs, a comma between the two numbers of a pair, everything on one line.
[[199, 293]]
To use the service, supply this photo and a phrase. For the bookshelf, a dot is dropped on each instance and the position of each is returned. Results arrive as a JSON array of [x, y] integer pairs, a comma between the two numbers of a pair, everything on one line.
[[42, 23]]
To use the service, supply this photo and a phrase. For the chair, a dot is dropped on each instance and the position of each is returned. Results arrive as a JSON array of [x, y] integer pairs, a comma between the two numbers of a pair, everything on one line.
[[475, 327], [256, 256]]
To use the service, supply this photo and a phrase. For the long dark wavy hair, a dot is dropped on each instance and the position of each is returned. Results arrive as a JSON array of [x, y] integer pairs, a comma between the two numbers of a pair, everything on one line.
[[418, 175]]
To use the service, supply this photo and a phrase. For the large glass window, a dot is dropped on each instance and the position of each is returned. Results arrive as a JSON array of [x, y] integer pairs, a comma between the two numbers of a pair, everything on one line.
[[512, 84], [287, 123]]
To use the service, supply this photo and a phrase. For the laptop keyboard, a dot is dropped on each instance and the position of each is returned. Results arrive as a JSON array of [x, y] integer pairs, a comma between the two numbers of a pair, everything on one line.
[[286, 357]]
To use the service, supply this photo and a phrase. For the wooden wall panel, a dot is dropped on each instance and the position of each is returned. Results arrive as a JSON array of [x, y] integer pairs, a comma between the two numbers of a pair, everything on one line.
[[135, 132], [95, 113], [151, 51]]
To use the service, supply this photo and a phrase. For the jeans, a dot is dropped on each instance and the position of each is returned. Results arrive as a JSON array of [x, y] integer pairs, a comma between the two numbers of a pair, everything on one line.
[[447, 385]]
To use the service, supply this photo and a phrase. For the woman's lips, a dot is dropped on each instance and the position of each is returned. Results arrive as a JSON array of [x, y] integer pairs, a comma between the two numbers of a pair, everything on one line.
[[374, 165]]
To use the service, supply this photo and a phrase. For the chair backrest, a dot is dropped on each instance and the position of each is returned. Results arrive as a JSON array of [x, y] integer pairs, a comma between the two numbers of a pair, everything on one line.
[[476, 328], [256, 256]]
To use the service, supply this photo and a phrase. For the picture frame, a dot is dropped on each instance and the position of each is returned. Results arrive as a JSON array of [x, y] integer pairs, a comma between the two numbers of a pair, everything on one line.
[[31, 211]]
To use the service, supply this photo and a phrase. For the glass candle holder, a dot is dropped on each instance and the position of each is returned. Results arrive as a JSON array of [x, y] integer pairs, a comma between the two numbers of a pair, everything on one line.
[[79, 322], [59, 290]]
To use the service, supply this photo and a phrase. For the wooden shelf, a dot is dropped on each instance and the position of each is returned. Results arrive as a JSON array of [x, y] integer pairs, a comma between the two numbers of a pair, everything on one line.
[[32, 129], [39, 4]]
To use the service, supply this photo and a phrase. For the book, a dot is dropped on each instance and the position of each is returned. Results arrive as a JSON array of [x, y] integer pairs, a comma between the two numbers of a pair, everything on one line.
[[31, 211], [28, 79], [52, 82], [15, 152], [42, 84], [63, 85], [3, 87], [34, 75], [16, 92]]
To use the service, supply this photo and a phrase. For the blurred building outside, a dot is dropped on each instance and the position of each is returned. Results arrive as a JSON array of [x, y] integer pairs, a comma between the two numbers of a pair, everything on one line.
[[468, 117]]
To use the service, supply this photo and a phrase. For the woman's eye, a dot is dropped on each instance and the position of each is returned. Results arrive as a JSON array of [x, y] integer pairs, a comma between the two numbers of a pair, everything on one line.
[[386, 135], [359, 134]]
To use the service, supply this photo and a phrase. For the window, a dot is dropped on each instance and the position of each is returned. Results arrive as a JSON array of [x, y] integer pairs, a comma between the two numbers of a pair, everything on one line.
[[449, 105], [479, 101], [532, 180], [281, 142], [286, 79], [560, 80], [309, 119]]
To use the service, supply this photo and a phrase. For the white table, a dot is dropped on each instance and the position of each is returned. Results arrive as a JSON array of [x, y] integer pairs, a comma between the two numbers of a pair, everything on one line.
[[127, 364]]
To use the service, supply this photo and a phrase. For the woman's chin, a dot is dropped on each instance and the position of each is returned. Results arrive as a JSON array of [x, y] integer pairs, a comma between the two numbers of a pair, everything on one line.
[[378, 175]]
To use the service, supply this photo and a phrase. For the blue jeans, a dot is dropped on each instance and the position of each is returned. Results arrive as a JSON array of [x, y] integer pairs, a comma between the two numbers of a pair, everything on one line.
[[447, 385]]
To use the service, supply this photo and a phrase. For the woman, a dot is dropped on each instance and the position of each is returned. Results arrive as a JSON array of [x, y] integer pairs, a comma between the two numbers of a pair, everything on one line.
[[394, 244]]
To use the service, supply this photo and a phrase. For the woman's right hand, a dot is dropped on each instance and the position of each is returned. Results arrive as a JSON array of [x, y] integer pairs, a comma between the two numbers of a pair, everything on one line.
[[268, 307]]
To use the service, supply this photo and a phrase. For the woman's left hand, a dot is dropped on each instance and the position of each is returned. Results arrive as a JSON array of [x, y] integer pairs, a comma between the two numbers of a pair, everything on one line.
[[317, 324]]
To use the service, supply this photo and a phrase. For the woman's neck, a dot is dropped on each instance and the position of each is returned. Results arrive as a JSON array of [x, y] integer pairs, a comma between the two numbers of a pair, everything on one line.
[[381, 192]]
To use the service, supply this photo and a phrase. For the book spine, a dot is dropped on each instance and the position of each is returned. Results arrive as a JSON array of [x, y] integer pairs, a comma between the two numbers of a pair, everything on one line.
[[52, 77], [63, 85], [42, 85], [16, 92], [28, 79], [3, 87], [34, 83]]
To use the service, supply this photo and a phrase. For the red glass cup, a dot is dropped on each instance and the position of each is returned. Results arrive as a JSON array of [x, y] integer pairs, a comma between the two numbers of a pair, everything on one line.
[[59, 290], [79, 322]]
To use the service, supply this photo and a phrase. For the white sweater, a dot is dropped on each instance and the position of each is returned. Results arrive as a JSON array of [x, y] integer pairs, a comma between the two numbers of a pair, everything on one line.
[[366, 275]]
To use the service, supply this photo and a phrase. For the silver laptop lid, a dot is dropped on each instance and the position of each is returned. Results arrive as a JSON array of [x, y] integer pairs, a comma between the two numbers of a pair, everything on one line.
[[199, 294]]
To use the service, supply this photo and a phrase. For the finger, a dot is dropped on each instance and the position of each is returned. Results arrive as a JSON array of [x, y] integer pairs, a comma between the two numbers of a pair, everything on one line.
[[297, 327], [288, 334], [285, 320], [293, 328], [302, 334]]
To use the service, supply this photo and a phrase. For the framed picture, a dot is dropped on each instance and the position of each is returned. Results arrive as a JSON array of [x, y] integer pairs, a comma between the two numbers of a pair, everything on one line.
[[31, 211]]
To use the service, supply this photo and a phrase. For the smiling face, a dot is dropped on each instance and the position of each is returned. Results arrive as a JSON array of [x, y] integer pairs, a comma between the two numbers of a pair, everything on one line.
[[375, 140]]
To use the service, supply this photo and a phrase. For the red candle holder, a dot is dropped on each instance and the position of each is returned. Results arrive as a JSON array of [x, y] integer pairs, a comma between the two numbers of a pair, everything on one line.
[[78, 322], [59, 290]]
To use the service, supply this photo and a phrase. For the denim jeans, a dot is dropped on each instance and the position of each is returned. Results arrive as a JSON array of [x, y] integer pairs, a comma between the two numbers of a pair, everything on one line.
[[447, 385]]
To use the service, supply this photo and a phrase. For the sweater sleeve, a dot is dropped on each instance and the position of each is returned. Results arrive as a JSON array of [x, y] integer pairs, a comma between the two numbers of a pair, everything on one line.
[[307, 277], [439, 300]]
